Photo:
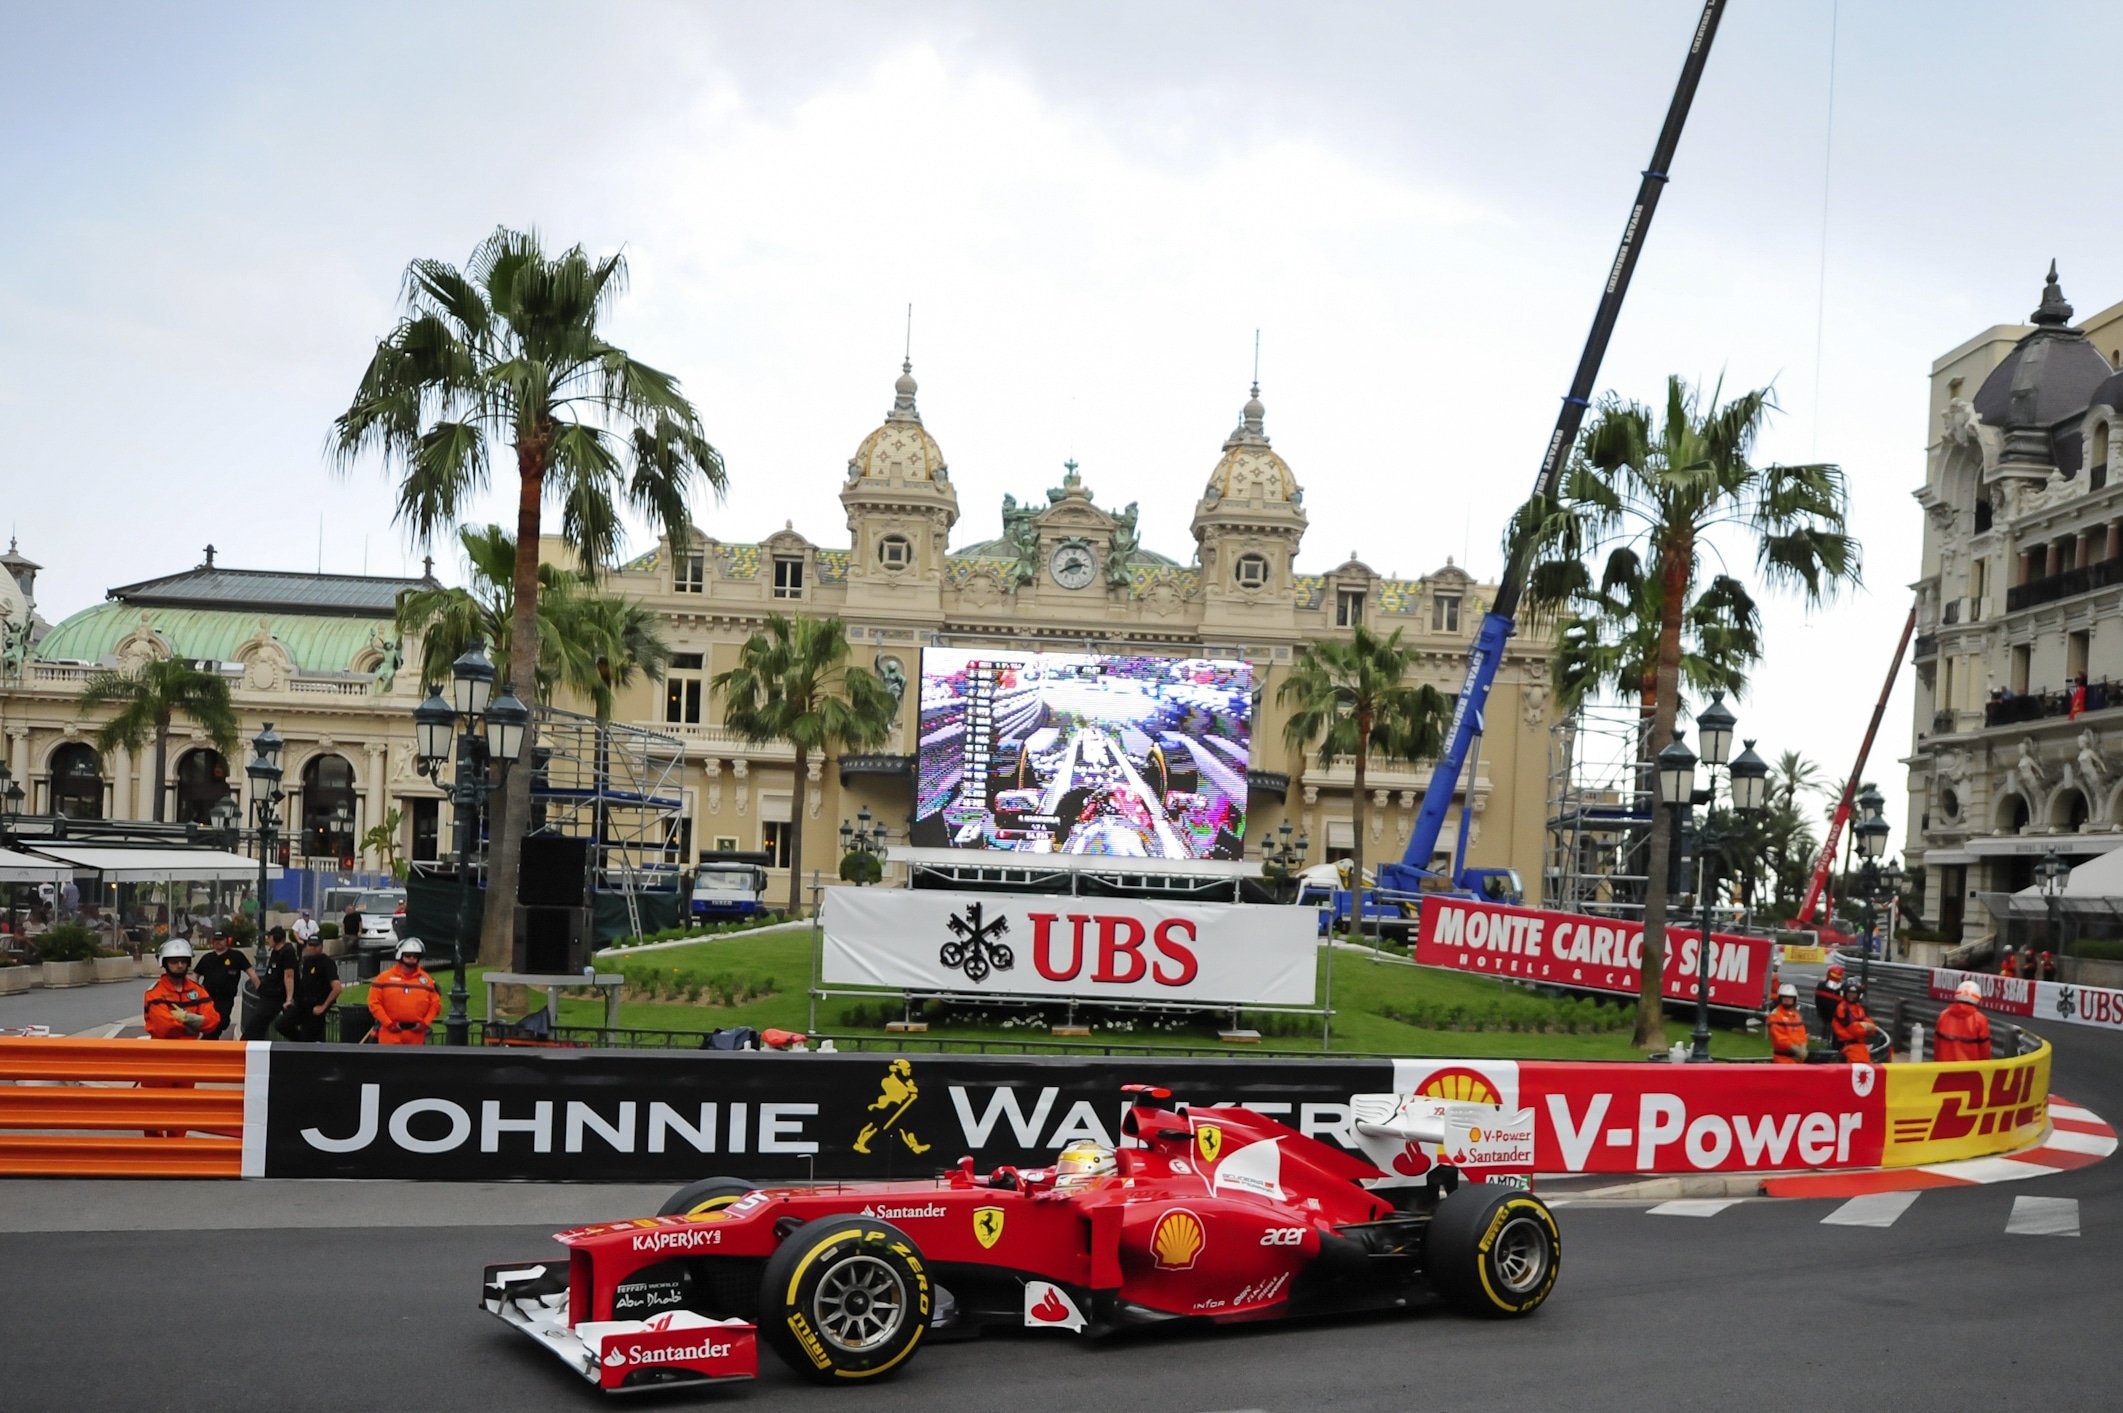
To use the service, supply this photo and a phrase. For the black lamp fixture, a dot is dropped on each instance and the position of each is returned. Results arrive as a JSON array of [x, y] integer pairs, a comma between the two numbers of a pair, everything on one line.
[[1713, 730], [1676, 768], [506, 720], [1750, 781]]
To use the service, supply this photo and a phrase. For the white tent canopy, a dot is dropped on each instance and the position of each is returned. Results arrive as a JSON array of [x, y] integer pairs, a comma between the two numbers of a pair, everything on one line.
[[119, 865], [28, 868]]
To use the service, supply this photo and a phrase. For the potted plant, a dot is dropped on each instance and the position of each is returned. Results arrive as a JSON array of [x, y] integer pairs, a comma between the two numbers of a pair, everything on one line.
[[68, 951], [16, 977], [115, 966]]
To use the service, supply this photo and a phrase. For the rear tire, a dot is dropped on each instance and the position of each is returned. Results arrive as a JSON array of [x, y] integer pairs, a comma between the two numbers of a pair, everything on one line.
[[845, 1299], [1493, 1251], [709, 1195]]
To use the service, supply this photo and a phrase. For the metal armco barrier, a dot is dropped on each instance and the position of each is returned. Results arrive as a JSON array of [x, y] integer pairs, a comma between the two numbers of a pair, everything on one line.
[[604, 1115], [140, 1088]]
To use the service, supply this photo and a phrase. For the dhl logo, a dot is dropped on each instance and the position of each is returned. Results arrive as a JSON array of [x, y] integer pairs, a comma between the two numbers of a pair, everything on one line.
[[1968, 1106]]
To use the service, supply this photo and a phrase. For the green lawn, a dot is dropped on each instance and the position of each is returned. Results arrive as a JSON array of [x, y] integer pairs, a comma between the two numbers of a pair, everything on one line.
[[1364, 992]]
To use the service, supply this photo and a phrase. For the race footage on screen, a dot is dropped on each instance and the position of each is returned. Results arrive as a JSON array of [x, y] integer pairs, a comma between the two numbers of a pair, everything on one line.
[[1084, 753]]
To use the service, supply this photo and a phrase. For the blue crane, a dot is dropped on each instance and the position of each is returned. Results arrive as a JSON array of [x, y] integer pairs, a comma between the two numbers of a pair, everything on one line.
[[1408, 877]]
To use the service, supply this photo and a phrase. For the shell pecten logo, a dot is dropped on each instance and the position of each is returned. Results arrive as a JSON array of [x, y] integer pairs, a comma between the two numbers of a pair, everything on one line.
[[1177, 1240], [1463, 1085]]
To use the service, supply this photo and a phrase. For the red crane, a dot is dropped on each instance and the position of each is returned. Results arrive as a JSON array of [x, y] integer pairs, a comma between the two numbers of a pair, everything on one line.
[[1818, 884]]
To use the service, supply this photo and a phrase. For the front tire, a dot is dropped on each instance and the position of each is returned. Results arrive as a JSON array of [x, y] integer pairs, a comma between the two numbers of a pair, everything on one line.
[[1493, 1251], [845, 1299], [705, 1197]]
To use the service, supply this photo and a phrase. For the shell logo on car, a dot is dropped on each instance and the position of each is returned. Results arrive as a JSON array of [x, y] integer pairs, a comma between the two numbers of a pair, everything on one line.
[[1460, 1085], [1177, 1240]]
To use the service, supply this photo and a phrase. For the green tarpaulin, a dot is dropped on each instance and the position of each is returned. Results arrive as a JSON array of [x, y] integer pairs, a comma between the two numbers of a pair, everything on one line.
[[431, 914]]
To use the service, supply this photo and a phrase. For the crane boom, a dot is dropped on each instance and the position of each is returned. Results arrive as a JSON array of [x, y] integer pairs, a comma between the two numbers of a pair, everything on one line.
[[1825, 864], [1486, 653]]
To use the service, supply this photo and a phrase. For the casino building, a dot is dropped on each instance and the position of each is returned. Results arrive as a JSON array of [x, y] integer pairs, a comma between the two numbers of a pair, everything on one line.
[[1070, 573], [317, 655]]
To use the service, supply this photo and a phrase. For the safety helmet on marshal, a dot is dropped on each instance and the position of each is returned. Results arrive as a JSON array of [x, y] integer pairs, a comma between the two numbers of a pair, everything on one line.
[[1787, 990], [1968, 991], [412, 947], [175, 947]]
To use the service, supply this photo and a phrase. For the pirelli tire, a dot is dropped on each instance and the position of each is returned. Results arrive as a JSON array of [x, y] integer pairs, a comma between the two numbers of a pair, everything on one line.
[[1493, 1251], [845, 1299], [699, 1199]]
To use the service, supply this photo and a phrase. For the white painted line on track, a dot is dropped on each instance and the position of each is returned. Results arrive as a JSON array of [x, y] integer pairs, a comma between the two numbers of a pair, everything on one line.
[[2072, 1111], [2043, 1216], [1978, 1170], [2073, 1142], [1873, 1209], [1694, 1206]]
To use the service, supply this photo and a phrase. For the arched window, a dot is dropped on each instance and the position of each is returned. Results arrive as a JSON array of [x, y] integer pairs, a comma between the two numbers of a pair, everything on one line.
[[77, 782], [328, 807], [202, 782]]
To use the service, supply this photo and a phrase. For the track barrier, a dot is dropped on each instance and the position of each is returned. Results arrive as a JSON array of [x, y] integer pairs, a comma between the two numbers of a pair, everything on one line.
[[88, 1108], [100, 1108]]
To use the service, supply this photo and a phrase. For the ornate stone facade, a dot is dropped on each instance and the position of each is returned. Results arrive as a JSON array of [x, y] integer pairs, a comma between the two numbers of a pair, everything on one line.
[[2019, 652], [1066, 571]]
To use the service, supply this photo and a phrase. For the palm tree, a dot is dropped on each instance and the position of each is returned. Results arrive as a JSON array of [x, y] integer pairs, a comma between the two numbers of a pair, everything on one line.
[[1657, 490], [793, 683], [509, 351], [149, 699], [588, 641], [1352, 698]]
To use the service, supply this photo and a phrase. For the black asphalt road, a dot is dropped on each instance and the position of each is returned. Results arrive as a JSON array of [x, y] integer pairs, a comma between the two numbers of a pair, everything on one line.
[[1758, 1306]]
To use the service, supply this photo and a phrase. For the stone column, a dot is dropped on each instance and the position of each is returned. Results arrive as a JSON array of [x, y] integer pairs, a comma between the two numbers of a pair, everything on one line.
[[121, 782], [144, 769], [379, 754]]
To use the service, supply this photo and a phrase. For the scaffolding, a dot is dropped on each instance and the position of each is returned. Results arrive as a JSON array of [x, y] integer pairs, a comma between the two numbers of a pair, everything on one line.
[[1600, 812], [621, 788]]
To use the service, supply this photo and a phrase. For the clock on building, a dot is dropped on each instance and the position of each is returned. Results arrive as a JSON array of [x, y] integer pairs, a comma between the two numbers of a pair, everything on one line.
[[1073, 565]]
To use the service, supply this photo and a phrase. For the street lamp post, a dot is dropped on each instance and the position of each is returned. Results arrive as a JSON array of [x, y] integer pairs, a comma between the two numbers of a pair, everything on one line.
[[492, 731], [10, 811], [1284, 859], [264, 770], [1871, 831], [860, 838], [2053, 873]]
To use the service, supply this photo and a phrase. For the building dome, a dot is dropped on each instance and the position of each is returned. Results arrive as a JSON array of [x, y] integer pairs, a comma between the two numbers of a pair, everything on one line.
[[2050, 375], [902, 447], [1249, 468]]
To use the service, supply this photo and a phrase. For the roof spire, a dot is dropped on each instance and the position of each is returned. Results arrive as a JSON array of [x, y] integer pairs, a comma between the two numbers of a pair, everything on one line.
[[209, 557], [903, 388], [2054, 309]]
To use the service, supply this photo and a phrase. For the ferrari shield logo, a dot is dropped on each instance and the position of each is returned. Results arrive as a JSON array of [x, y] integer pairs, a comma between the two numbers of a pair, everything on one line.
[[1208, 1141], [987, 1226]]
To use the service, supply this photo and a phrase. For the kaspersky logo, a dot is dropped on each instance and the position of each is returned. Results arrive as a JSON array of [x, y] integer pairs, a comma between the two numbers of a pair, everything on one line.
[[687, 1239]]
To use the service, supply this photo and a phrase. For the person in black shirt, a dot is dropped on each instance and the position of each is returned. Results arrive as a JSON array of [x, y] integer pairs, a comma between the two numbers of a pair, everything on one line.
[[280, 962], [221, 971], [316, 988]]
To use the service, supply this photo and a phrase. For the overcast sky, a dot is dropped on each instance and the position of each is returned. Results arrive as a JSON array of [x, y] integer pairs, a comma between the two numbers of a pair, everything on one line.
[[1091, 207]]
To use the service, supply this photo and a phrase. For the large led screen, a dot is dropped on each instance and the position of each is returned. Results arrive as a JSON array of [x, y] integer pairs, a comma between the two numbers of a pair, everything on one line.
[[1084, 753]]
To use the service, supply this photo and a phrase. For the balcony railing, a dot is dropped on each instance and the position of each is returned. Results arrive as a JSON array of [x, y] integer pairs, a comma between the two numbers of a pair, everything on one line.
[[2040, 706], [2101, 574]]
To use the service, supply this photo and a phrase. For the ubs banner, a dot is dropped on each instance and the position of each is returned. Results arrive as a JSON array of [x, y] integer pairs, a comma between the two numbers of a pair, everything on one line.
[[549, 1115], [1123, 949]]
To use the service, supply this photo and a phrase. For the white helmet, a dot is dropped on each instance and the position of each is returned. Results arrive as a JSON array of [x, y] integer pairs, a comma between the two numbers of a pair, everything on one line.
[[412, 947], [1968, 991], [1081, 1162], [175, 947], [1787, 989]]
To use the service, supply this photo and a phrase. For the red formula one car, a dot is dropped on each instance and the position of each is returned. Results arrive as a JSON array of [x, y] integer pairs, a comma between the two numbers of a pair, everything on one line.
[[1221, 1214]]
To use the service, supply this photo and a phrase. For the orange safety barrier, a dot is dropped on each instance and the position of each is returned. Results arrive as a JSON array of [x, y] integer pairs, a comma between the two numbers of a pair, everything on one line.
[[96, 1106]]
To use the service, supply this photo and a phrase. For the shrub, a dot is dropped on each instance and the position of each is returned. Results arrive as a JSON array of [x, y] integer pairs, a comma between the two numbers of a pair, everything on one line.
[[66, 942], [327, 931]]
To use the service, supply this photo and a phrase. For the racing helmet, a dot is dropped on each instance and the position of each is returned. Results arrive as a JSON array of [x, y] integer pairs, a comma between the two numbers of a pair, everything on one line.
[[1082, 1162], [1787, 990], [1853, 990], [1835, 972], [175, 947], [1968, 991], [412, 947]]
